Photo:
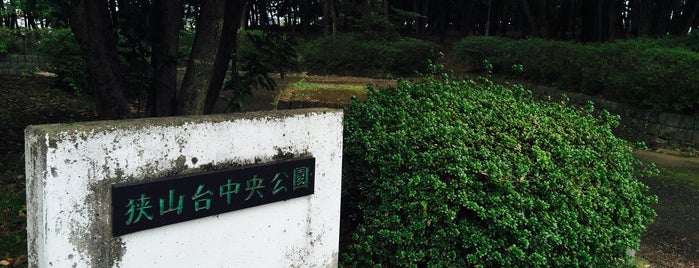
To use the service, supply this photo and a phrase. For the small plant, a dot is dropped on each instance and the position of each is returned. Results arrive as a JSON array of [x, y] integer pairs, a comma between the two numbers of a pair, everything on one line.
[[518, 68], [3, 48], [488, 67]]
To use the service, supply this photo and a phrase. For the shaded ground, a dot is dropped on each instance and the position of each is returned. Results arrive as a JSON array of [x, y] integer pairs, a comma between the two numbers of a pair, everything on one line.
[[25, 101], [673, 238], [671, 241], [317, 96]]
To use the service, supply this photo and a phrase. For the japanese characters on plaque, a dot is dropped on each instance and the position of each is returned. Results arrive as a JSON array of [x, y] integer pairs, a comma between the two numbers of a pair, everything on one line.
[[145, 205]]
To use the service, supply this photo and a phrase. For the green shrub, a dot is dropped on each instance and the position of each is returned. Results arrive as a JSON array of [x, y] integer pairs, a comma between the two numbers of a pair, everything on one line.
[[66, 60], [351, 54], [185, 46], [259, 55], [692, 41], [12, 41], [443, 173], [21, 41], [473, 50], [658, 73]]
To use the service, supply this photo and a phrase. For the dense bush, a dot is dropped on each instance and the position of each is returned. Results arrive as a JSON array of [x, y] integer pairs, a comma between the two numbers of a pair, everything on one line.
[[656, 73], [351, 54], [66, 60], [458, 174], [20, 41]]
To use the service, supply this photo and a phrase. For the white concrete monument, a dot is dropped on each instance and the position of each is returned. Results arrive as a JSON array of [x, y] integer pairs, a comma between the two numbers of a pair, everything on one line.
[[235, 190]]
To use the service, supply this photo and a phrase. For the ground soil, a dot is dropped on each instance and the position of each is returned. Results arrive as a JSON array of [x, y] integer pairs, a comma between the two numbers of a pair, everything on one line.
[[671, 241]]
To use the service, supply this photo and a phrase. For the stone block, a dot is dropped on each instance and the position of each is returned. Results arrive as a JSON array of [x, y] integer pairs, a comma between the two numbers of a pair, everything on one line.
[[670, 133], [670, 119], [687, 122], [72, 167]]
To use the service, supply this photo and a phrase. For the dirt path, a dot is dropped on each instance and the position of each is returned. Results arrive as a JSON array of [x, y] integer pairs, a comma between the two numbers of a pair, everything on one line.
[[670, 159], [672, 240]]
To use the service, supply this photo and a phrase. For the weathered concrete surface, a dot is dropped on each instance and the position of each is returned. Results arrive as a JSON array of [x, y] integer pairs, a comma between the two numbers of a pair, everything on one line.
[[70, 168]]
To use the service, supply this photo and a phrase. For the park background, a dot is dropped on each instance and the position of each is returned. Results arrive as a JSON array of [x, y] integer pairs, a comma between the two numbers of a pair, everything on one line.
[[129, 59]]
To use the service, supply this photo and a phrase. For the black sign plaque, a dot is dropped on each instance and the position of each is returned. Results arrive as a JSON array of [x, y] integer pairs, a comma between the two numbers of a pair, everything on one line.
[[145, 205]]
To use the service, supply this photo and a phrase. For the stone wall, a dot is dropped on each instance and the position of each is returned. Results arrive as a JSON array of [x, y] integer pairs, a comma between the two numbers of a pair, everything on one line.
[[15, 64], [656, 129]]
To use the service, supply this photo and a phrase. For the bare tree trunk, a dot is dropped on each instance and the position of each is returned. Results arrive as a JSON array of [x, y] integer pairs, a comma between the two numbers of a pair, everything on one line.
[[534, 28], [3, 19], [196, 82], [329, 18], [613, 13], [385, 8], [661, 21], [167, 19], [680, 24], [96, 38], [226, 52], [589, 31]]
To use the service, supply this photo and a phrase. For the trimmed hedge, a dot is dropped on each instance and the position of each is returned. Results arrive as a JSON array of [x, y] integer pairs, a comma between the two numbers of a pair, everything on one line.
[[350, 54], [442, 173], [655, 73]]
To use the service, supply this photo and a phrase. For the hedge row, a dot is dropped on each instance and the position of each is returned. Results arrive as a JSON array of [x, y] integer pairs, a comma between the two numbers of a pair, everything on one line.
[[442, 173], [655, 73], [351, 54]]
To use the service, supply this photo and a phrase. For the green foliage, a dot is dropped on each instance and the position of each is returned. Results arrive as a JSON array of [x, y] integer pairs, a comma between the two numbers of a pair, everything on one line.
[[66, 60], [259, 55], [185, 46], [12, 208], [376, 26], [21, 40], [351, 54], [658, 73], [442, 173], [692, 41]]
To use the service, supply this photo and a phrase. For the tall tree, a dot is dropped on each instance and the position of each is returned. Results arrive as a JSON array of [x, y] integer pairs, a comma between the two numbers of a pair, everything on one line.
[[93, 29], [200, 67], [217, 23], [167, 22], [226, 52]]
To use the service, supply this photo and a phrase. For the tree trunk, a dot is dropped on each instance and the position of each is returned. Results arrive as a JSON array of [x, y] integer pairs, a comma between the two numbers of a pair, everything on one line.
[[192, 94], [531, 18], [96, 38], [327, 20], [661, 21], [564, 19], [692, 18], [3, 19], [589, 31], [306, 15], [226, 52], [680, 24], [167, 20], [613, 16]]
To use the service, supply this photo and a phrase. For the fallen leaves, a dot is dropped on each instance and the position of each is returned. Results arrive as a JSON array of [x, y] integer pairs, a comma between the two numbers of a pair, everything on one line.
[[13, 262]]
